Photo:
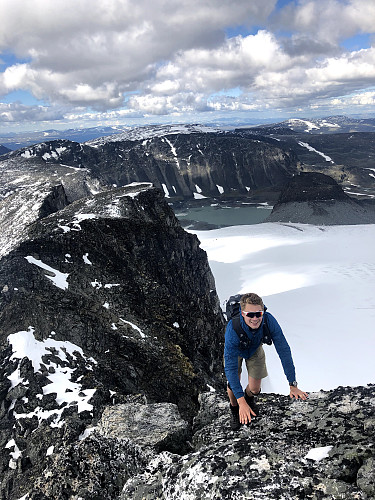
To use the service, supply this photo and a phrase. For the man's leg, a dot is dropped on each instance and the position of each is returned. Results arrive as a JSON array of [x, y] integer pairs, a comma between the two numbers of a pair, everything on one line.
[[252, 389], [232, 399], [253, 386]]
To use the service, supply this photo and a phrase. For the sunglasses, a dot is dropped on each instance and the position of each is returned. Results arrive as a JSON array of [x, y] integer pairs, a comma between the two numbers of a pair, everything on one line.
[[257, 314]]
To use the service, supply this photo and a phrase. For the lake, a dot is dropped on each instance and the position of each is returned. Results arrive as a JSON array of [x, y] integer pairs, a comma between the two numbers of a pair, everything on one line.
[[214, 216]]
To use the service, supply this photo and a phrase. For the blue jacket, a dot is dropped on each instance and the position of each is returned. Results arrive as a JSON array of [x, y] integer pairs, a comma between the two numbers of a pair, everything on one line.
[[232, 350]]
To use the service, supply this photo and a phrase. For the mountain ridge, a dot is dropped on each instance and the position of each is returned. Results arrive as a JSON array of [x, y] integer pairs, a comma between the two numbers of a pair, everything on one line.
[[16, 140]]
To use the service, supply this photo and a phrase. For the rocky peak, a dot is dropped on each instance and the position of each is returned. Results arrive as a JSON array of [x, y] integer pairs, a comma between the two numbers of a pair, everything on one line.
[[316, 198], [312, 186], [320, 448], [107, 298]]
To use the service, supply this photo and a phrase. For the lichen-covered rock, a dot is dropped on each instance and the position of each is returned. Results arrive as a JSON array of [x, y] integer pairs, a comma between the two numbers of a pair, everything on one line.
[[316, 449], [158, 426], [94, 468], [366, 477]]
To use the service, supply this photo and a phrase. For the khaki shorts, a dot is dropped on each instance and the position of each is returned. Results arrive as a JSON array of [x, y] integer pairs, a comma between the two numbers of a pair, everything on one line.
[[256, 365]]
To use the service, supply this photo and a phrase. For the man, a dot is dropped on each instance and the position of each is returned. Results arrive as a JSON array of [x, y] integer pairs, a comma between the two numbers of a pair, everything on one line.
[[252, 317]]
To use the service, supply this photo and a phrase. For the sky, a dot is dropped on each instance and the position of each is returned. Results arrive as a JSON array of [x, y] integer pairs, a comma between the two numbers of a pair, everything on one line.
[[85, 63], [318, 282]]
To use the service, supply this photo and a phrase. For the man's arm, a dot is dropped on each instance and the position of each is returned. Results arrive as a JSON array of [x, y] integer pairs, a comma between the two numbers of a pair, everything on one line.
[[285, 355], [231, 361]]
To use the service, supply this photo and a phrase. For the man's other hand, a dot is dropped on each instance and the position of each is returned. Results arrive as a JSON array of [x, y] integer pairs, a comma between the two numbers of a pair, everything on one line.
[[297, 393]]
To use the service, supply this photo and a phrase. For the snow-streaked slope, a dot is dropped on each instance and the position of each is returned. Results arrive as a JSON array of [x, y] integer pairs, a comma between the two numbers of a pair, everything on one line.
[[25, 183], [150, 131], [319, 282]]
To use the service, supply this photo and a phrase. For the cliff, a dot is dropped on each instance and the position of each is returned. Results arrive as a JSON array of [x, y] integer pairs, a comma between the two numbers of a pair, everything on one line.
[[183, 165], [103, 300], [315, 198]]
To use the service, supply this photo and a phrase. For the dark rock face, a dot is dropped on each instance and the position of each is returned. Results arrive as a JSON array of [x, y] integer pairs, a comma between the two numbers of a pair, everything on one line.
[[310, 186], [211, 164], [103, 299], [315, 198]]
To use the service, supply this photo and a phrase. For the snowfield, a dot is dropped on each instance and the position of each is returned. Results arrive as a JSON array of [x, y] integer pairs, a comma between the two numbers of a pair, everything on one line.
[[319, 283]]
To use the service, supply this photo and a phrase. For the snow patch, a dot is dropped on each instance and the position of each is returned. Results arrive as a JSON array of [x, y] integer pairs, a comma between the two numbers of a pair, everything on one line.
[[310, 148], [135, 327], [318, 454], [165, 189], [58, 278], [25, 345], [86, 259]]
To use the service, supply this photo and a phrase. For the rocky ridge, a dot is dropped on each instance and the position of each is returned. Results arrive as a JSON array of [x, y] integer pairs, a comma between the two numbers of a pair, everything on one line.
[[319, 449], [102, 300], [315, 198], [184, 166]]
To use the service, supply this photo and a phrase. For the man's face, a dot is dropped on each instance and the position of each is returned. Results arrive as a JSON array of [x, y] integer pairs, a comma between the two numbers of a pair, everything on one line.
[[254, 322]]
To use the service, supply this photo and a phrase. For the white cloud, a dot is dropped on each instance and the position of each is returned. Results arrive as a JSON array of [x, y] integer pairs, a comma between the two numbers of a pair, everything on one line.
[[17, 112], [330, 21], [360, 99], [168, 57]]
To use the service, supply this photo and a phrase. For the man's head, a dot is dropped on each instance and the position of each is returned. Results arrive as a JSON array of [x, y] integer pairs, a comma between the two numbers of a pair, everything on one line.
[[252, 309]]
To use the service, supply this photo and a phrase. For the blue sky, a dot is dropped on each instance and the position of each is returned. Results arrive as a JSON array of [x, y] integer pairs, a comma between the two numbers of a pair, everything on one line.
[[111, 62]]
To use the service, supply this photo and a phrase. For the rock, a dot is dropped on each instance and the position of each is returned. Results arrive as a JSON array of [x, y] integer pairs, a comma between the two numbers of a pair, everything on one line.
[[117, 301], [157, 426], [210, 164], [94, 468], [268, 458], [315, 198], [366, 477]]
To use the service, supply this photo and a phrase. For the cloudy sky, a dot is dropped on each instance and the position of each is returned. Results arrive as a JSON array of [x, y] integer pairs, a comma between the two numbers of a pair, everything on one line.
[[69, 63]]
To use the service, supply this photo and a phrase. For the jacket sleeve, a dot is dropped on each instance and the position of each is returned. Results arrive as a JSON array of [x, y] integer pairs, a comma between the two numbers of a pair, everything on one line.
[[282, 348], [231, 353]]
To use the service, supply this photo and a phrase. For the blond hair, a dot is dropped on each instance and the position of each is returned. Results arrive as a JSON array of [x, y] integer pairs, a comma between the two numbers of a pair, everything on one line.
[[251, 298]]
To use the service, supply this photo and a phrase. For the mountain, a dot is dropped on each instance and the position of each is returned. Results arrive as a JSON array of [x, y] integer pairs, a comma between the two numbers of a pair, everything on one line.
[[338, 146], [348, 157], [31, 188], [103, 300], [328, 125], [315, 198], [3, 150], [184, 166]]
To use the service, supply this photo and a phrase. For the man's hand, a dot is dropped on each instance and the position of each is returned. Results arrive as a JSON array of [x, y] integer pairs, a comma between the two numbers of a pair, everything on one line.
[[297, 393], [245, 411]]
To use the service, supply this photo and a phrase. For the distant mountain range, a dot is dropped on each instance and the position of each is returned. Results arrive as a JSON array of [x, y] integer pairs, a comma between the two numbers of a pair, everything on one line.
[[327, 125], [17, 140], [196, 161]]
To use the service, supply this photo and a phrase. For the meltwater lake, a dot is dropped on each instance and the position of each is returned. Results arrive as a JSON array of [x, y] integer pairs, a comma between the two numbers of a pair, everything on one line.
[[214, 216]]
